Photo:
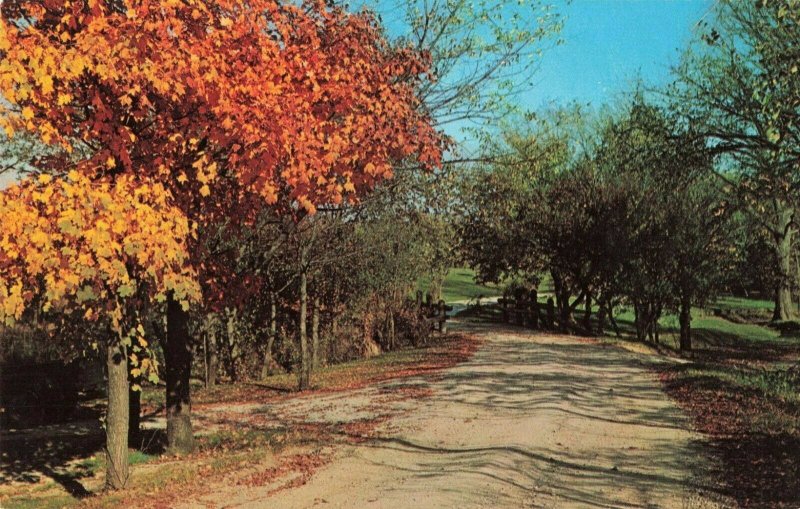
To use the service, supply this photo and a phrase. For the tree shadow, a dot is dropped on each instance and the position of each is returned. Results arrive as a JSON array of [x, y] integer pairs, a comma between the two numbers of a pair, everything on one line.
[[29, 454], [63, 453], [532, 379], [581, 478]]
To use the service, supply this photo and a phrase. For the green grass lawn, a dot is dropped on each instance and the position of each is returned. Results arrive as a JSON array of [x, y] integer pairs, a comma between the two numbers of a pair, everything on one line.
[[460, 285], [706, 328], [730, 302]]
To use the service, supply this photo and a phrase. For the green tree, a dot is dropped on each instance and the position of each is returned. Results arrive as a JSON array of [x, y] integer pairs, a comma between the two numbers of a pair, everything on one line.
[[740, 88]]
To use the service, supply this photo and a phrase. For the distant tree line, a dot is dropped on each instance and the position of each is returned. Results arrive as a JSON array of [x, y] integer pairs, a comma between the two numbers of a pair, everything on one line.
[[677, 196]]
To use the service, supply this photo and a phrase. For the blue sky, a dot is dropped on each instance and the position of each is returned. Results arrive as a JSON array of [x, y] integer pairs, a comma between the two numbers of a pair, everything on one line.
[[609, 43]]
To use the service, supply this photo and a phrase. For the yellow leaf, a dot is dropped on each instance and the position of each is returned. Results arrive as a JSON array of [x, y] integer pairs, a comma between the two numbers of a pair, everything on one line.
[[111, 162], [77, 65], [182, 178], [27, 113], [45, 179], [226, 22], [47, 84], [131, 13], [73, 175], [205, 191], [39, 238]]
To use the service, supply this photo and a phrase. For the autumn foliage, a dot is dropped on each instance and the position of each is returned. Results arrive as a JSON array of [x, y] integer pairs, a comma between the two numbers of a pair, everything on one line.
[[93, 251], [285, 100], [173, 115], [213, 106], [229, 105], [90, 245]]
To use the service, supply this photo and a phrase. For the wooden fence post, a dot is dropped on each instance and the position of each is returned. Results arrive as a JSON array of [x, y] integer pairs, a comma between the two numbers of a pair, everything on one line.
[[534, 309], [551, 313], [522, 309]]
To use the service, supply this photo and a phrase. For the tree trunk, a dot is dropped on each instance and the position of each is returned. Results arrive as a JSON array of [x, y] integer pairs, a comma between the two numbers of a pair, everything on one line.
[[562, 301], [315, 352], [392, 331], [611, 319], [305, 368], [783, 237], [233, 345], [564, 311], [266, 369], [117, 417], [213, 359], [655, 319], [134, 412], [601, 315], [437, 282], [685, 319], [178, 366], [587, 313]]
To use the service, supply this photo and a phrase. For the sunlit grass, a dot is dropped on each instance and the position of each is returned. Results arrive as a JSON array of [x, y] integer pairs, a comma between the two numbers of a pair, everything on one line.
[[460, 285], [730, 302]]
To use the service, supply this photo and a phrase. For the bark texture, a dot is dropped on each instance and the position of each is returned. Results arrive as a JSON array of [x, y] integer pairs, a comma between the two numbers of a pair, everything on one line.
[[783, 237], [178, 367], [316, 354], [117, 418], [685, 319], [305, 358], [266, 369]]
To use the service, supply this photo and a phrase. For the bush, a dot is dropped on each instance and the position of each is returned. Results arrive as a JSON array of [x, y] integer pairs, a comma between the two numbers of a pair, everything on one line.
[[38, 393]]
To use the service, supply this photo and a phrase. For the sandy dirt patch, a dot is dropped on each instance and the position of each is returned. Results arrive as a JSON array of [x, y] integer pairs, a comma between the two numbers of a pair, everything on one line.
[[531, 420]]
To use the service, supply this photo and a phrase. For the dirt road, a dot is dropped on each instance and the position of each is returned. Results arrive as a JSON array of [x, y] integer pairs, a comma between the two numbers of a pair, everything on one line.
[[530, 421]]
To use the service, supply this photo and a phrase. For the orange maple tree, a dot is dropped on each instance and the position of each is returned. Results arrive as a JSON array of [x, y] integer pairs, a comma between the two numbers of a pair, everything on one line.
[[286, 99], [230, 105]]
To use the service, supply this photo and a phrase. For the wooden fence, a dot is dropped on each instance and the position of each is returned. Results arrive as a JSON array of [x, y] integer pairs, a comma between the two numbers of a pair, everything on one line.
[[524, 309], [435, 313]]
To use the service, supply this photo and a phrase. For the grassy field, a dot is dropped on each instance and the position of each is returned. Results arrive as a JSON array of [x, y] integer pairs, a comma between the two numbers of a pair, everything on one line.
[[460, 286], [730, 302]]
